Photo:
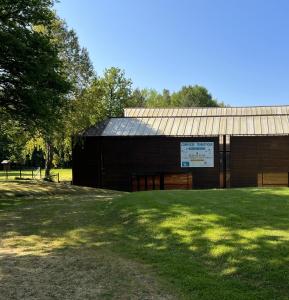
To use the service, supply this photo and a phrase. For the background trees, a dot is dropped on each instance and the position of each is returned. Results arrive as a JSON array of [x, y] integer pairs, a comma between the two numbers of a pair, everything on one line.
[[49, 90]]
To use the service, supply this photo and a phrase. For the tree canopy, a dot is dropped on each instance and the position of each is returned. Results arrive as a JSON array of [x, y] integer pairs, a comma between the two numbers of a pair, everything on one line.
[[32, 82]]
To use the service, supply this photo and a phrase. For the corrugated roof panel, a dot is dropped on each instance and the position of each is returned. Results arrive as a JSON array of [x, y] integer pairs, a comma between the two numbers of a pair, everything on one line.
[[182, 126], [148, 112], [257, 125], [175, 126], [135, 128], [236, 125], [147, 130], [186, 112], [223, 125], [189, 126], [212, 111], [168, 112], [139, 112], [256, 111], [285, 124], [195, 124], [250, 125], [157, 124], [124, 129], [108, 127], [205, 111], [264, 125], [271, 125], [208, 112], [160, 113], [278, 124], [243, 125], [274, 110], [230, 125], [174, 112], [202, 126], [283, 110], [216, 125], [209, 125], [162, 126], [178, 112], [278, 110], [169, 125], [243, 111], [114, 127], [142, 127], [127, 112], [234, 111]]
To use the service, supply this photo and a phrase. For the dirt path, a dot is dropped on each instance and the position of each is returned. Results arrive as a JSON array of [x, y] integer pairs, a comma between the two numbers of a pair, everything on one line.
[[75, 274]]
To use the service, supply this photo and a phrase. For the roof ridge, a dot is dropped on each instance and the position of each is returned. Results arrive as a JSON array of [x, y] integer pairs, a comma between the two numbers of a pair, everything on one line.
[[209, 107]]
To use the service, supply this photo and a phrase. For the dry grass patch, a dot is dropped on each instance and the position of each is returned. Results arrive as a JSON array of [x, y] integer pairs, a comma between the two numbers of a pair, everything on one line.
[[76, 274], [52, 247]]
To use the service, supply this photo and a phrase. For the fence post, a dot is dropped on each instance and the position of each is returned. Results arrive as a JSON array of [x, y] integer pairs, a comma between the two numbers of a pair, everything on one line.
[[40, 172], [20, 173], [6, 174], [58, 177], [32, 173]]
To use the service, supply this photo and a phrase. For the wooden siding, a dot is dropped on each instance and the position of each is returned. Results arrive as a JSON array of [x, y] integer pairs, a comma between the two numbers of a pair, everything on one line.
[[110, 162], [253, 156]]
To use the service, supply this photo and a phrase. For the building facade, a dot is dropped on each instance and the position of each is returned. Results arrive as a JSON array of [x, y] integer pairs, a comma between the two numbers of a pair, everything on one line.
[[186, 148]]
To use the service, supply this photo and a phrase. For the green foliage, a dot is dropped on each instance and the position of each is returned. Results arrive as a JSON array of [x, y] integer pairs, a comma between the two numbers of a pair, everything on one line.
[[116, 91], [77, 66], [187, 96], [137, 99], [193, 96], [105, 97], [32, 83], [78, 71]]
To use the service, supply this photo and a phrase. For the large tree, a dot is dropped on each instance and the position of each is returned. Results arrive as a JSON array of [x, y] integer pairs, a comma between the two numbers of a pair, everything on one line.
[[78, 71], [32, 82]]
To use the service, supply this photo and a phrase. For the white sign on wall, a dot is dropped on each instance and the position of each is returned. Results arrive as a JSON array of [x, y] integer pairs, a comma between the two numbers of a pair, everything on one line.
[[197, 154]]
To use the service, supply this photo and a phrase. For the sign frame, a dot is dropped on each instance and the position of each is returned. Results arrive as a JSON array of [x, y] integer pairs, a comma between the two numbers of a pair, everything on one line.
[[197, 154]]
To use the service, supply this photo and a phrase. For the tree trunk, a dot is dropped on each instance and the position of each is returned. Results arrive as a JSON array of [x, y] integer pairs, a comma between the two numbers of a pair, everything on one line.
[[48, 160]]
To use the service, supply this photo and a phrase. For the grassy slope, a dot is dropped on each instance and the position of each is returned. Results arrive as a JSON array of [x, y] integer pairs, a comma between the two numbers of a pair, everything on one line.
[[217, 244], [51, 248]]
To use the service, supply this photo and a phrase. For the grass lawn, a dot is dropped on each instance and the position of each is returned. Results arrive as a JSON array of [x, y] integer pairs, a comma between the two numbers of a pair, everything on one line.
[[80, 243], [64, 174]]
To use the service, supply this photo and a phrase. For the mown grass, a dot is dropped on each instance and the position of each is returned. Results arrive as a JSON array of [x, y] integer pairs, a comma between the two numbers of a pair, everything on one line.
[[64, 174], [210, 244]]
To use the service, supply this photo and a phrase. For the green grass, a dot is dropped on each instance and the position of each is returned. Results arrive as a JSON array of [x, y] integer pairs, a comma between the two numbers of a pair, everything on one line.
[[210, 244], [64, 174]]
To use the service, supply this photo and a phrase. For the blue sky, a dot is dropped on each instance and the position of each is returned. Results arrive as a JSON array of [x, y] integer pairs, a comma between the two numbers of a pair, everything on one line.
[[237, 49]]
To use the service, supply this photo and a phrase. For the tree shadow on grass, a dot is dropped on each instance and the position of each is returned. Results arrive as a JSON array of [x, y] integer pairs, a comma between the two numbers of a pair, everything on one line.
[[213, 244], [231, 244]]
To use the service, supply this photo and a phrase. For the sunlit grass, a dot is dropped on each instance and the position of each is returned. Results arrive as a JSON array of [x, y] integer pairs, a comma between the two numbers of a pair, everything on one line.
[[64, 174], [210, 244]]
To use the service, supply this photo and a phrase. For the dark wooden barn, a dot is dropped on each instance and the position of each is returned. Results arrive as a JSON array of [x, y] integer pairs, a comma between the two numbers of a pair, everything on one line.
[[189, 148]]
